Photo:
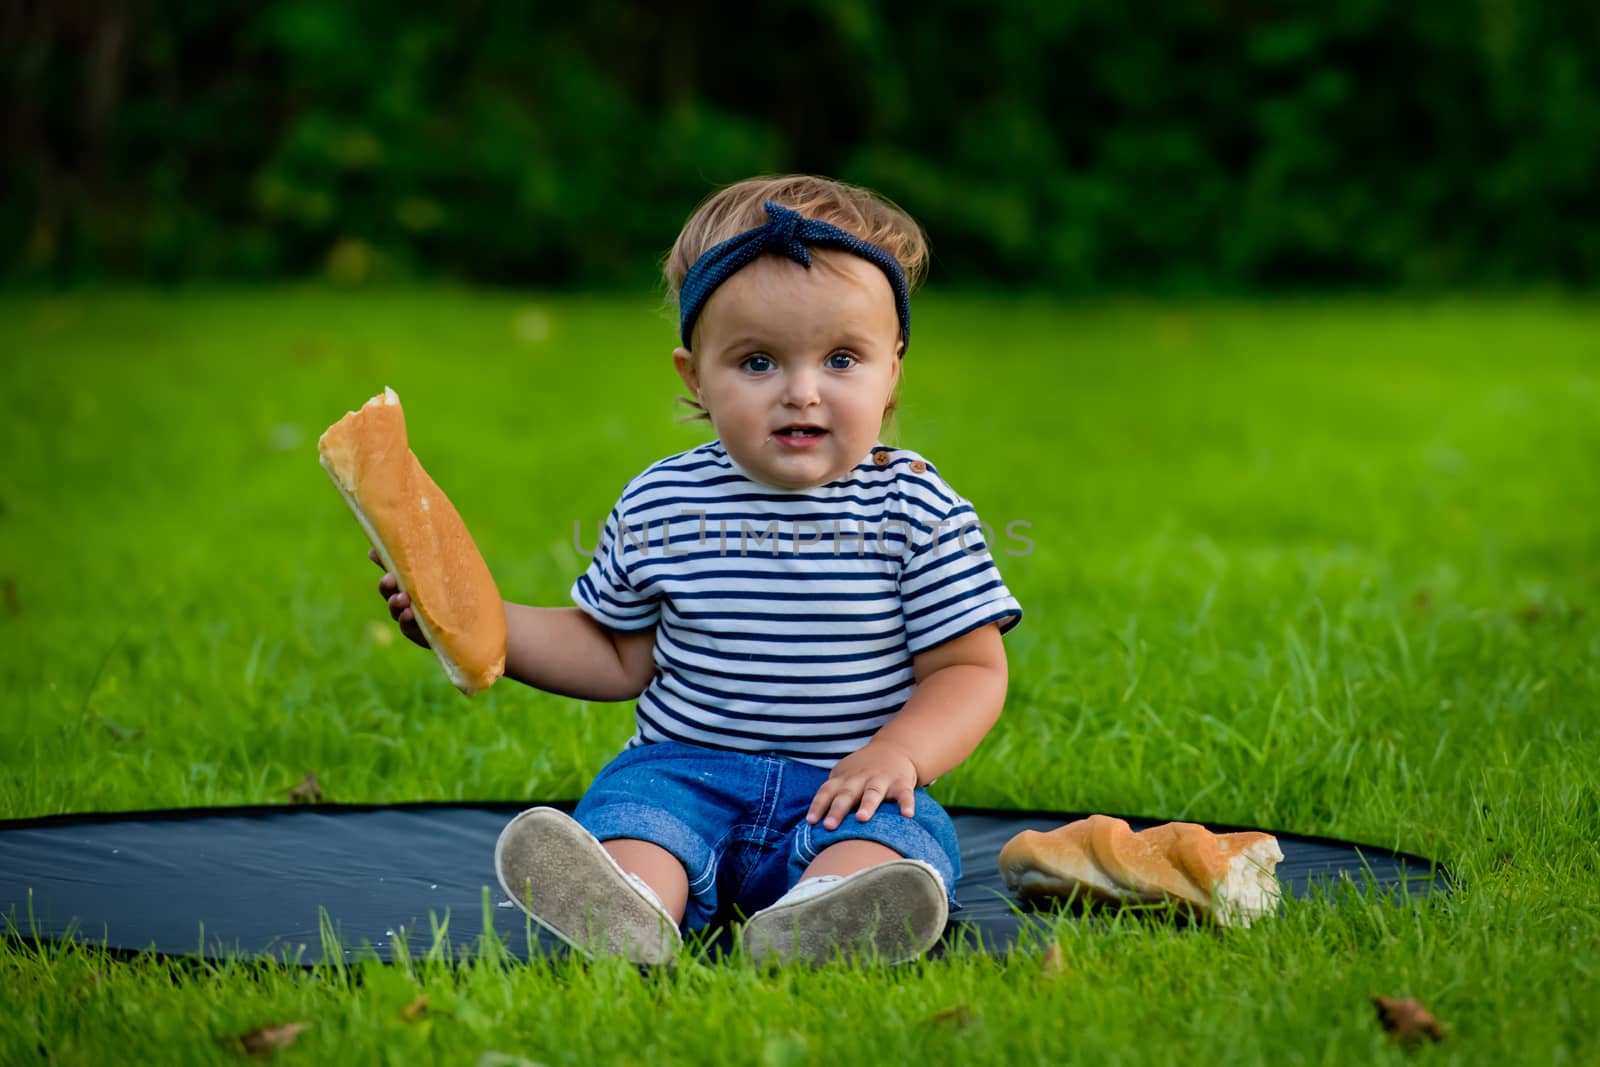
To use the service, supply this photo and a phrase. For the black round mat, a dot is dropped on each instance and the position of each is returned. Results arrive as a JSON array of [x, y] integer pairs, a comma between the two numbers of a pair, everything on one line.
[[272, 881]]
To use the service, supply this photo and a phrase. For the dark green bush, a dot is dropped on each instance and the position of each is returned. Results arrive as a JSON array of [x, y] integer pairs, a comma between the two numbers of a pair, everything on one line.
[[1077, 144]]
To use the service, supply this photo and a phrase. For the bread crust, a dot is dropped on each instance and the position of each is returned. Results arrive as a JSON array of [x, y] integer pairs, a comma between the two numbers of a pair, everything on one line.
[[421, 538], [1226, 878]]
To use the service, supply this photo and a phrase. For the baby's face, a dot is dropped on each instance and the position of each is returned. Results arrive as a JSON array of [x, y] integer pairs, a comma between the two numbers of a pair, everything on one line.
[[779, 346]]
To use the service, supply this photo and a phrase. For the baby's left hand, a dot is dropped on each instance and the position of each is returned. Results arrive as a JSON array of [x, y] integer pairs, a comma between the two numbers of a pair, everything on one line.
[[871, 774]]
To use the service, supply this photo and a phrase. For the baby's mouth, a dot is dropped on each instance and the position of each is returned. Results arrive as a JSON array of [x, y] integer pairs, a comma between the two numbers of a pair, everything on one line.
[[801, 431]]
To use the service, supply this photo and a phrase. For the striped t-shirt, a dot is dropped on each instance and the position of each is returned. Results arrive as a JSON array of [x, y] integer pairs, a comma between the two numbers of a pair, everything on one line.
[[787, 619]]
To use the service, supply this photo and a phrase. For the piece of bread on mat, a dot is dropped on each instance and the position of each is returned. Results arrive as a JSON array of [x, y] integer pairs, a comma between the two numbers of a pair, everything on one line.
[[1227, 878], [421, 539]]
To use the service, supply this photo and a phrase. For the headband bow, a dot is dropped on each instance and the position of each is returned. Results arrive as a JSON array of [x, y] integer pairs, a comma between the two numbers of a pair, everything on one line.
[[785, 233]]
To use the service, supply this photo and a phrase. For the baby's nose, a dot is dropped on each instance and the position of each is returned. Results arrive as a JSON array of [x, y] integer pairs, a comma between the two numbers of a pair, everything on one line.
[[800, 387]]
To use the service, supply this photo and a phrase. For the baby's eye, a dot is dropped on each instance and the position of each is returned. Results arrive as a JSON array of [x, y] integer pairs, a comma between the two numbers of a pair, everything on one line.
[[841, 361], [758, 363]]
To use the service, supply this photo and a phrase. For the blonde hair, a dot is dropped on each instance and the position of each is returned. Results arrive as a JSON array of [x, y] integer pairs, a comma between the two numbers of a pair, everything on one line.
[[732, 210]]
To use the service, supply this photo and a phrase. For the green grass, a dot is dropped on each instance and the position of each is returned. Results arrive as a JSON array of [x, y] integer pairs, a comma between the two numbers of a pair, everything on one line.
[[1329, 566]]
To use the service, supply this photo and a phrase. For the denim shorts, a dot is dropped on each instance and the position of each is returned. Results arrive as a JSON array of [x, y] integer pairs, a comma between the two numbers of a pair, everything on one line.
[[737, 823]]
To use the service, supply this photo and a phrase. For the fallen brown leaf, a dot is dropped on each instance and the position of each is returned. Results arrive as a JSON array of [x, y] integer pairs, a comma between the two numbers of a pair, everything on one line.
[[267, 1039], [416, 1009], [309, 791], [959, 1016], [1407, 1020], [1054, 964]]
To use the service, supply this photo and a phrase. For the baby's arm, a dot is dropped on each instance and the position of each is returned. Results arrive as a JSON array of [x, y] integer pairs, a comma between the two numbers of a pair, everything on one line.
[[564, 651], [559, 650], [961, 687]]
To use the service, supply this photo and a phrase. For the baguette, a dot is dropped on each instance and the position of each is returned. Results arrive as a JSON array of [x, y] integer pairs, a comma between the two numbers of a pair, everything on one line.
[[421, 538], [1227, 879]]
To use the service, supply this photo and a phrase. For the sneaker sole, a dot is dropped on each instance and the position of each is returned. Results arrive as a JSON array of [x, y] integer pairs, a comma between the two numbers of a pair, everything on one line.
[[551, 868], [895, 911]]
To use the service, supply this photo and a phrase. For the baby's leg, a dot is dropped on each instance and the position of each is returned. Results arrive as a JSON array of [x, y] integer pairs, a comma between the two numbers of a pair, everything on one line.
[[846, 857], [661, 869], [877, 888]]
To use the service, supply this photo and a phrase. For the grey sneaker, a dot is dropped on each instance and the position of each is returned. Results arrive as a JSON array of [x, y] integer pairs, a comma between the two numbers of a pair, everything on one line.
[[560, 874], [894, 910]]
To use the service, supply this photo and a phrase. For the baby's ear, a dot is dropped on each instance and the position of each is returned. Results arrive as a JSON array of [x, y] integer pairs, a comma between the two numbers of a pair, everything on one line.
[[683, 363]]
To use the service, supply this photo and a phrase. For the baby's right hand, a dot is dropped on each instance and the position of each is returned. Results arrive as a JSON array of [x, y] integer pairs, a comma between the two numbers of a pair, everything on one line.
[[399, 603]]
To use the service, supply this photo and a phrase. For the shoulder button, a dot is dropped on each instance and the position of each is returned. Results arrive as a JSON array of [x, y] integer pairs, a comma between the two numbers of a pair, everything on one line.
[[917, 466], [881, 458]]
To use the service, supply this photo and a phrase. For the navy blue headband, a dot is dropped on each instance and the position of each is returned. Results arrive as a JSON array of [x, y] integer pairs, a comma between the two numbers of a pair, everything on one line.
[[786, 233]]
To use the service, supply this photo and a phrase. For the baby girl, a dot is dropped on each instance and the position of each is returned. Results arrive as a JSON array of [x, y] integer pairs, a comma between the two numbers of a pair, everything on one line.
[[810, 620]]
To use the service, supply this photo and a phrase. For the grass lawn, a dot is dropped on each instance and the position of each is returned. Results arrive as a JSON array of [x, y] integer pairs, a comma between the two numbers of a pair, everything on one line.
[[1330, 566]]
